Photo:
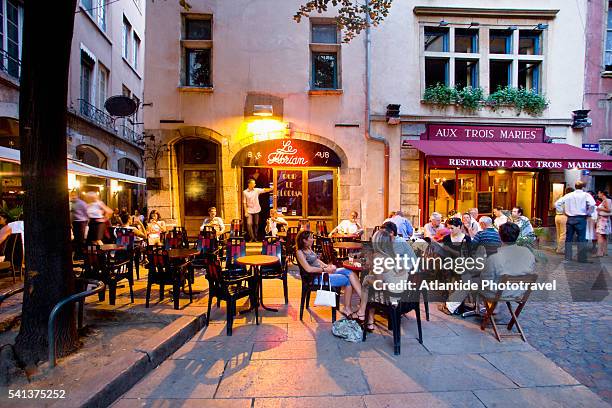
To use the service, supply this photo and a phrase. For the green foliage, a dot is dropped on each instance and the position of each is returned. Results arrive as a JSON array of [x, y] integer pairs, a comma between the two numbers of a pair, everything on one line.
[[440, 94], [351, 15], [470, 98], [523, 100], [13, 214]]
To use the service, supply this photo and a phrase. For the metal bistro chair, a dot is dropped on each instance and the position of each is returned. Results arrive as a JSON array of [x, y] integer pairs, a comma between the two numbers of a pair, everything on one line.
[[229, 288], [13, 256], [272, 246], [236, 228], [100, 266], [176, 238], [207, 244], [163, 272], [310, 283], [235, 248], [126, 238], [290, 243]]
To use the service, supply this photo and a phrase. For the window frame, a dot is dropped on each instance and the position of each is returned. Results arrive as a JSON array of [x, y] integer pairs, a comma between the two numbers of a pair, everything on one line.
[[135, 50], [126, 34], [86, 61], [6, 60], [188, 51], [607, 33], [191, 45], [100, 74], [322, 49]]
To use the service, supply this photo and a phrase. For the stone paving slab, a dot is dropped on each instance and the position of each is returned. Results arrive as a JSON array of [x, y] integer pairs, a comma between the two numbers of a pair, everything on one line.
[[183, 403], [432, 373], [310, 402], [295, 350], [180, 379], [530, 369], [454, 399], [474, 343], [214, 351], [570, 397], [310, 377]]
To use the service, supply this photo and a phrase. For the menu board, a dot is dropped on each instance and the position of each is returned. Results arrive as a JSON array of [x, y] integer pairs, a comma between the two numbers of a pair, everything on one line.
[[484, 200], [289, 192]]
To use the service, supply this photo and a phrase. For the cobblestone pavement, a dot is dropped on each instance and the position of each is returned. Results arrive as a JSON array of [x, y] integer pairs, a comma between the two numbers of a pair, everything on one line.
[[574, 326]]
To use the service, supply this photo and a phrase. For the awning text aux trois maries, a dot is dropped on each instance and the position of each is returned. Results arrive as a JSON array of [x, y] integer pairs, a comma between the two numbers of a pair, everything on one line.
[[525, 164]]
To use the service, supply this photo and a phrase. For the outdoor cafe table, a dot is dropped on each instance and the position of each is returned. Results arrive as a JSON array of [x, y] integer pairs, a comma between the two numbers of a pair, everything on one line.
[[112, 247], [184, 253], [255, 262], [346, 247], [352, 267]]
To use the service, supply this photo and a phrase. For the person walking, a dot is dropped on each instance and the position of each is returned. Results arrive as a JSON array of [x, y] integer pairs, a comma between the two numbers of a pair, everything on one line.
[[603, 228], [78, 219], [560, 226], [577, 205], [250, 203], [98, 214]]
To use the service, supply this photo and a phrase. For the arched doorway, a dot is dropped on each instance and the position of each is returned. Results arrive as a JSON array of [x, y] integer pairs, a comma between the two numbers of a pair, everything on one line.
[[199, 179], [92, 156]]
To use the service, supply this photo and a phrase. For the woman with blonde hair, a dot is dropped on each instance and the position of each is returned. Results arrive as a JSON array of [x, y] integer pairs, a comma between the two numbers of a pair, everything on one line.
[[155, 227], [98, 213]]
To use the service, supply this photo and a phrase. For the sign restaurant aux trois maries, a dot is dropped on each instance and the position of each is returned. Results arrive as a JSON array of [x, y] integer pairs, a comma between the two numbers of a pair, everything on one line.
[[485, 133], [517, 164], [287, 152]]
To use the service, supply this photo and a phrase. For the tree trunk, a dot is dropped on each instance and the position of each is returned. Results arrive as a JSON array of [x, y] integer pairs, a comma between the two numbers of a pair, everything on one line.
[[42, 128]]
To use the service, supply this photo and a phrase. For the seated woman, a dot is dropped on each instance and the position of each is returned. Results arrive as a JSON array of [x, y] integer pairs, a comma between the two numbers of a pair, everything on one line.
[[338, 277], [155, 226], [350, 226], [382, 248]]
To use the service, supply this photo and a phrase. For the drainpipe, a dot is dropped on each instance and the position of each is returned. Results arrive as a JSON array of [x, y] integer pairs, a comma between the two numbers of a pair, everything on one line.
[[367, 134]]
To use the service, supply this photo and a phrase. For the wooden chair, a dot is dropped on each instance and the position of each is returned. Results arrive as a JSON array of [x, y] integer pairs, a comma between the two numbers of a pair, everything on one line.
[[229, 288], [99, 265], [236, 228], [491, 302], [328, 253], [273, 246], [304, 224], [164, 272], [13, 256], [310, 284], [290, 243], [321, 228], [394, 309]]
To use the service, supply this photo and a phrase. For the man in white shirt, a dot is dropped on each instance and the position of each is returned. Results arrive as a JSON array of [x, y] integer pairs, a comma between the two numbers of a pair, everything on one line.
[[475, 225], [500, 217], [350, 226], [577, 205], [250, 203], [434, 224], [213, 221], [275, 221]]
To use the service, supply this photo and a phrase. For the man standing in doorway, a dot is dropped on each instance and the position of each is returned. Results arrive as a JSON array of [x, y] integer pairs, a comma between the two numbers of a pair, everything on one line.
[[250, 203], [577, 205]]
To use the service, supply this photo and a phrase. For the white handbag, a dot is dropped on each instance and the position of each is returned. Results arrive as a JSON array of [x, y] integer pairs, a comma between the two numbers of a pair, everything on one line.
[[325, 297]]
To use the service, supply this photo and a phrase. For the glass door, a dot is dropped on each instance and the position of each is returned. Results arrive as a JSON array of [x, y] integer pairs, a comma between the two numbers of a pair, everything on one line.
[[467, 187], [525, 192]]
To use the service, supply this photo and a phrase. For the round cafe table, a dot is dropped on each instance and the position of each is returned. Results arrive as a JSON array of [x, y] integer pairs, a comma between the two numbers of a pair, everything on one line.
[[182, 253], [346, 247], [352, 267], [255, 262], [112, 247]]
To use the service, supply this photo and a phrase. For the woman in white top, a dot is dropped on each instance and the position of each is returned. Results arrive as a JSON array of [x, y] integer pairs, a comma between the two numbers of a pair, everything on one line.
[[154, 228], [98, 214], [603, 228]]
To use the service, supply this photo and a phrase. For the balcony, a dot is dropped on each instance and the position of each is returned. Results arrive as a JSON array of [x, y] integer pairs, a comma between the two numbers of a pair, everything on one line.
[[107, 122]]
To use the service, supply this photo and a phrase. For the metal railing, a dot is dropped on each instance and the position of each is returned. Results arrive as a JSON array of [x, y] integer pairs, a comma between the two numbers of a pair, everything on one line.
[[77, 297], [96, 115], [10, 64], [129, 134], [10, 293]]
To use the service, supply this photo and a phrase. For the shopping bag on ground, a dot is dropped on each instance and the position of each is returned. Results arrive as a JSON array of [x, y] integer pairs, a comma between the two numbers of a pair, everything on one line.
[[348, 330], [325, 297]]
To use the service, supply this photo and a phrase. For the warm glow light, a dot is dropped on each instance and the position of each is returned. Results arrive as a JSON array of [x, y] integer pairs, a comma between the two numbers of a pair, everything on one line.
[[264, 126], [115, 187], [501, 171], [73, 183], [262, 110]]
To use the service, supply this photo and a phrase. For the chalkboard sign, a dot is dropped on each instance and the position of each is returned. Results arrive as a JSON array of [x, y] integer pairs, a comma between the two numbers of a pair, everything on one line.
[[484, 200]]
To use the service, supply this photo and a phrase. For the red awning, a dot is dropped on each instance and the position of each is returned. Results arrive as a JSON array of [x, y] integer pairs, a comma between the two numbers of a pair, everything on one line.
[[463, 154]]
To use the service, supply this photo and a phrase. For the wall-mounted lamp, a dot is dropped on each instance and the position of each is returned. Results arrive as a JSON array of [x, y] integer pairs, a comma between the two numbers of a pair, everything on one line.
[[262, 110], [541, 26], [513, 28], [443, 23]]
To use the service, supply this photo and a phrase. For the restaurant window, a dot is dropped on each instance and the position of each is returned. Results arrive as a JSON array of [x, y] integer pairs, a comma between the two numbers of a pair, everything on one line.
[[436, 71], [466, 40], [529, 75], [466, 197], [466, 73], [500, 41], [442, 191], [125, 45], [102, 85], [87, 65], [530, 42], [500, 74], [608, 52], [320, 193], [289, 195], [525, 185], [197, 51], [127, 166], [436, 39], [324, 55], [199, 151]]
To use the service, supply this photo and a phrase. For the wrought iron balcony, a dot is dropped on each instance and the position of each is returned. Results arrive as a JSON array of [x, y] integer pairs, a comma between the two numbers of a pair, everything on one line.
[[129, 134], [96, 115], [10, 64]]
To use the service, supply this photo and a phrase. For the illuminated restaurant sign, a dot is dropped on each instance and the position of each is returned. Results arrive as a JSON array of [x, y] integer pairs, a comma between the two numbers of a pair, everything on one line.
[[559, 164], [287, 153], [477, 133]]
